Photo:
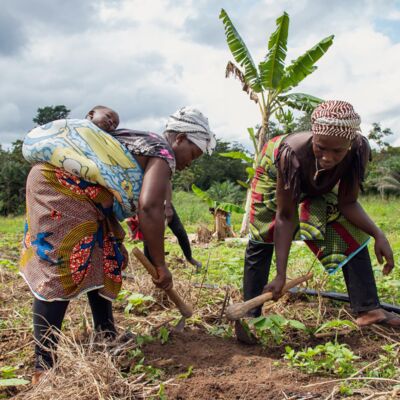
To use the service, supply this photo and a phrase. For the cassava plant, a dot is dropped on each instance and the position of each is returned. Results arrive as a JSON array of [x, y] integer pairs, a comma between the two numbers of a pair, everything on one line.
[[270, 83]]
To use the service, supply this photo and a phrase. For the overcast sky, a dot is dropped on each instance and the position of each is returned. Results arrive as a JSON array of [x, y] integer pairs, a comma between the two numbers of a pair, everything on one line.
[[148, 58]]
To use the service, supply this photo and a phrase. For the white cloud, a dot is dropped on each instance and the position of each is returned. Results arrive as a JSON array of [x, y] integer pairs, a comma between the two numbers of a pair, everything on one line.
[[146, 59]]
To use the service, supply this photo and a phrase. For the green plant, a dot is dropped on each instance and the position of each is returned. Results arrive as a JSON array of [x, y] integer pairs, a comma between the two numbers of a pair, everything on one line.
[[187, 374], [216, 204], [8, 377], [388, 363], [137, 301], [328, 358], [335, 325], [269, 83], [223, 331], [274, 326], [163, 335]]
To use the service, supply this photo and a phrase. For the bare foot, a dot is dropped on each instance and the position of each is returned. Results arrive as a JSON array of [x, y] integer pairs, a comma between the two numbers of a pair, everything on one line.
[[378, 316], [37, 376]]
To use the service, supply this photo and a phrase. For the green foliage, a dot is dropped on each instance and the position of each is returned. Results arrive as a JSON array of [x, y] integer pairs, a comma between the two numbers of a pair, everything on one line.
[[304, 65], [187, 374], [377, 134], [209, 169], [226, 191], [274, 327], [272, 79], [137, 301], [336, 324], [8, 377], [328, 358], [163, 335], [13, 173], [240, 52], [222, 331], [50, 113], [272, 69], [215, 204], [140, 367], [388, 363]]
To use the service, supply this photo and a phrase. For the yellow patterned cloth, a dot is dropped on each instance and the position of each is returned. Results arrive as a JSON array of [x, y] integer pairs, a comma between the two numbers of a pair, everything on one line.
[[72, 242]]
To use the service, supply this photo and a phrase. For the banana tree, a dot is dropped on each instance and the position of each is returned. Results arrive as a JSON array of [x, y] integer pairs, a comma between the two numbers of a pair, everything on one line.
[[269, 83]]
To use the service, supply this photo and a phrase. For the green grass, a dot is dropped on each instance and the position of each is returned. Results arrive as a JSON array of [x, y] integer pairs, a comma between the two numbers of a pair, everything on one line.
[[12, 225], [225, 264]]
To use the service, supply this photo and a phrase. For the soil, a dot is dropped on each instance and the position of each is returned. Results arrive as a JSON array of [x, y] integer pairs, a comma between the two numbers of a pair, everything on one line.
[[227, 369], [222, 368]]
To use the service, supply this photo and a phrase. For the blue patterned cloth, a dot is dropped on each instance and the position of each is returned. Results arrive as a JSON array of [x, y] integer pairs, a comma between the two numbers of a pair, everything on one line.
[[81, 148]]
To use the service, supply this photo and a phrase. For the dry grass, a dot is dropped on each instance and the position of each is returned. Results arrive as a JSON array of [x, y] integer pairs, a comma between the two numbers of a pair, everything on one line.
[[87, 371]]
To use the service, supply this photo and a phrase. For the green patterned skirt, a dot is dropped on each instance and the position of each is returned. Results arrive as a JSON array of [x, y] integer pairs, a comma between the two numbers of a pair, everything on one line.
[[332, 238]]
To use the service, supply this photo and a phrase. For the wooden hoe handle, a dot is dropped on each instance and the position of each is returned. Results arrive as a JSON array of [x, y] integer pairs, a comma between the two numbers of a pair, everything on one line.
[[239, 310], [185, 309]]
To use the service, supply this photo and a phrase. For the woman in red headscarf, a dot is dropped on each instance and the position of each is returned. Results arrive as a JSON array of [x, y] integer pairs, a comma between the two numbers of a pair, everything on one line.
[[306, 187]]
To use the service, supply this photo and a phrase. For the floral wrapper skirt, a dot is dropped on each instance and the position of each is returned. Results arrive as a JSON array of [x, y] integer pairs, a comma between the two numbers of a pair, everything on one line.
[[72, 242]]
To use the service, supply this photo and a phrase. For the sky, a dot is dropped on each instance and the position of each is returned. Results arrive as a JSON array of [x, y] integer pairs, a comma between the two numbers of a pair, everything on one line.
[[146, 59]]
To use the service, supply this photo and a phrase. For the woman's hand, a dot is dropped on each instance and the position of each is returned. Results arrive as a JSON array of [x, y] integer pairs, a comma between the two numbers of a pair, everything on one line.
[[275, 286], [164, 280], [384, 253]]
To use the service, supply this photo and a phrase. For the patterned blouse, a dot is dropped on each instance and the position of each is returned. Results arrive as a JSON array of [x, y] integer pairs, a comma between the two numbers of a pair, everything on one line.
[[140, 143]]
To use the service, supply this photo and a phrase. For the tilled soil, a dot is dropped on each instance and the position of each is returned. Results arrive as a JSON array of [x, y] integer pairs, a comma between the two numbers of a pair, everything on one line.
[[226, 369]]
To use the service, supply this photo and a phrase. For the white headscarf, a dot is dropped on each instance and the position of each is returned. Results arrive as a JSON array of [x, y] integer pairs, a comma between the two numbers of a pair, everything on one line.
[[194, 124]]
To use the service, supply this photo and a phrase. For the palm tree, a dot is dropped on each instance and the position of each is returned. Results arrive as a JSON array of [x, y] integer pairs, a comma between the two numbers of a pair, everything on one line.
[[269, 84]]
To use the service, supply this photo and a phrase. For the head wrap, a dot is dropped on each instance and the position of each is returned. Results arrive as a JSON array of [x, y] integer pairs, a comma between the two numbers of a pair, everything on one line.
[[335, 118], [194, 124]]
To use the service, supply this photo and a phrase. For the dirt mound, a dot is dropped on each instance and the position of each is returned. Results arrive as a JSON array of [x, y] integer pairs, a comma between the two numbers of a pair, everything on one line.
[[225, 369]]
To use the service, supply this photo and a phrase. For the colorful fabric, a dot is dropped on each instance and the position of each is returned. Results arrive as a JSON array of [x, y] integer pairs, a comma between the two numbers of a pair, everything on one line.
[[72, 242], [332, 238], [84, 150], [195, 125], [147, 144], [335, 118]]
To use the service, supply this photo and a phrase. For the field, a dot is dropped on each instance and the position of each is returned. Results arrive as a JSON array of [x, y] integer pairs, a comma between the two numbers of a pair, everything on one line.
[[309, 347]]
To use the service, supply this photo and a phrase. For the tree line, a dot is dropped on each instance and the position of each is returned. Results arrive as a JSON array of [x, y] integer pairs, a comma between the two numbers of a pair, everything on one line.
[[213, 173]]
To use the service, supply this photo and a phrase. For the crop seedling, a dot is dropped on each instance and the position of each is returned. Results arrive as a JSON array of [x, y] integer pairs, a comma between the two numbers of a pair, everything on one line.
[[163, 335], [8, 377], [274, 326], [187, 374], [328, 358], [136, 301], [336, 325]]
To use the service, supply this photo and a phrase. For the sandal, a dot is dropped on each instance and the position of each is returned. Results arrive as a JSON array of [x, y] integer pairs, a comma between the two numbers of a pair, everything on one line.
[[386, 322]]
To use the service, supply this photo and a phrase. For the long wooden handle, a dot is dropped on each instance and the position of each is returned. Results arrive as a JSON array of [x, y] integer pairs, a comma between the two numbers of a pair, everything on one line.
[[239, 310], [185, 309]]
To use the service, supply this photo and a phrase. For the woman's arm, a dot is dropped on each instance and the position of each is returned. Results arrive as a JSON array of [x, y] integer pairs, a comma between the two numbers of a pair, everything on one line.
[[285, 225], [156, 183], [352, 210]]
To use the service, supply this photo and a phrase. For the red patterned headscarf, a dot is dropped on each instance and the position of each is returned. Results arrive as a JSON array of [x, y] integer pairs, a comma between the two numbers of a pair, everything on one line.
[[335, 118]]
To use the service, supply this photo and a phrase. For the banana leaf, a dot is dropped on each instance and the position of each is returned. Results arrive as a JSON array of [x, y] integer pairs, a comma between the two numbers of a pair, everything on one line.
[[304, 65], [273, 67], [240, 52]]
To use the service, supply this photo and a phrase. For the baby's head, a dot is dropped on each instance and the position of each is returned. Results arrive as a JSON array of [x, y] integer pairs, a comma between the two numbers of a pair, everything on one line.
[[104, 117]]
